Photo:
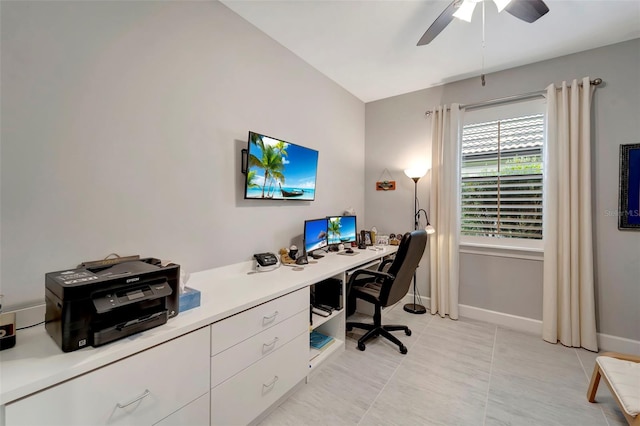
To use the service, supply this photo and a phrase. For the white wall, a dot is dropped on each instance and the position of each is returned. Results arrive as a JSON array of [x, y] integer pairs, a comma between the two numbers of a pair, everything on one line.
[[122, 124], [397, 133]]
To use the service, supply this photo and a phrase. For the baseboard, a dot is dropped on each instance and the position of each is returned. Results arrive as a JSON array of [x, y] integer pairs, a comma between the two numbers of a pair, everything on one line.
[[606, 342], [514, 322]]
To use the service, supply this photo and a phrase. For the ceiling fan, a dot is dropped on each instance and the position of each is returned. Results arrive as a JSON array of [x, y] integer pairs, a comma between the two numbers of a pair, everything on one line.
[[526, 10]]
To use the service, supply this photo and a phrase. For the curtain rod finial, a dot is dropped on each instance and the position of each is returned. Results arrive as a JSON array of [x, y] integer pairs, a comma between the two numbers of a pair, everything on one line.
[[597, 82]]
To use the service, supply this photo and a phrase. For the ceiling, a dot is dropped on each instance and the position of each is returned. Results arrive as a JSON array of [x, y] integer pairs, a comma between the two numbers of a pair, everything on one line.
[[369, 46]]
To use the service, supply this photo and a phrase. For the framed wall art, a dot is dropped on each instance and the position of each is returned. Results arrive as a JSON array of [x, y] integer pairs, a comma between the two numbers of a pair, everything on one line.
[[629, 202]]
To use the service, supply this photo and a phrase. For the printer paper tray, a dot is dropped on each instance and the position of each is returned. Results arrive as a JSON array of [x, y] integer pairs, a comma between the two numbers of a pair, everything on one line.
[[106, 335]]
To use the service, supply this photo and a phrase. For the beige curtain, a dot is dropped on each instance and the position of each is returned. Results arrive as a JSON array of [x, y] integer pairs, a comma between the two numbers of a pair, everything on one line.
[[568, 310], [445, 211]]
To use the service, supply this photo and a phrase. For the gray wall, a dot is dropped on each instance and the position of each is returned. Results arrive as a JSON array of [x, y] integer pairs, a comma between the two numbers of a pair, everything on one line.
[[122, 124], [397, 133]]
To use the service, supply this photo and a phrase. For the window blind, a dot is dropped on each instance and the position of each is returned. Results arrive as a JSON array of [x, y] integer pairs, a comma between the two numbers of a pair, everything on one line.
[[502, 168]]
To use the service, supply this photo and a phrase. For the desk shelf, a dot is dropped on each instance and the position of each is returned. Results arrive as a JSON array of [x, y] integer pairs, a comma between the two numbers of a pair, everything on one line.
[[317, 357], [332, 325], [318, 320]]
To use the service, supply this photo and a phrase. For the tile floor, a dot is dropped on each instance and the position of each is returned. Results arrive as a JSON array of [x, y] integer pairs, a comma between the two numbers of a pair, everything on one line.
[[463, 372]]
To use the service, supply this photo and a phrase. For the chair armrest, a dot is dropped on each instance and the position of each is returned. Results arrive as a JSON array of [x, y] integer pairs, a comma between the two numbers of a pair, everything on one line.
[[384, 263], [377, 274]]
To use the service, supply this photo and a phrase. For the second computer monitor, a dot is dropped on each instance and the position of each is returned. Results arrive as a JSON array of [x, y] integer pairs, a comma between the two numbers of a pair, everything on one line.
[[342, 229], [315, 234]]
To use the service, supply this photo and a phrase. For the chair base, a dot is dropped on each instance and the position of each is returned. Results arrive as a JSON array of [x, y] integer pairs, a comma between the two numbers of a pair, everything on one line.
[[379, 330], [415, 308]]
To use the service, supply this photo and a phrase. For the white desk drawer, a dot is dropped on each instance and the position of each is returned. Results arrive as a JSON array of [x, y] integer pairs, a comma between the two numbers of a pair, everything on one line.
[[194, 414], [235, 359], [246, 395], [235, 329], [141, 389]]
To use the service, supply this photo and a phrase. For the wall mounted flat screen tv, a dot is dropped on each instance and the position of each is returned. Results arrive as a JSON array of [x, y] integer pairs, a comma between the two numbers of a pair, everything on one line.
[[279, 170], [341, 229]]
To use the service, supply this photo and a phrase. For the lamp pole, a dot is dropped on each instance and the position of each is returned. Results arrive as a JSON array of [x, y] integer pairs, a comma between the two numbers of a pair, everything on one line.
[[414, 307]]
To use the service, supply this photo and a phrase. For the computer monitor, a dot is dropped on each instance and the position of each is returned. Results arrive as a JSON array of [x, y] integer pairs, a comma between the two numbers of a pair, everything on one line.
[[315, 234], [341, 229]]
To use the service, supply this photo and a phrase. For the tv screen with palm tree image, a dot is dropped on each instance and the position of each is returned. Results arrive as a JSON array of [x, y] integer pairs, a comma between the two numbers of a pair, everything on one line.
[[341, 229], [279, 170]]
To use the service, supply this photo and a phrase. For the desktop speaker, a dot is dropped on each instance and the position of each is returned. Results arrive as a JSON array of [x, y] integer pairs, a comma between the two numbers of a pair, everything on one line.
[[329, 292]]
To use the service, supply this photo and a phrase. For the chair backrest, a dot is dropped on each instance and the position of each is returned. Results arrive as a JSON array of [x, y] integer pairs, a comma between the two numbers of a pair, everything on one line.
[[403, 267]]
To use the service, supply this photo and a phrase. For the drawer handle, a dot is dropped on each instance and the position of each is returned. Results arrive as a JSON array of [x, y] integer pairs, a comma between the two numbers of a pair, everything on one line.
[[144, 395], [269, 346], [273, 382], [267, 319]]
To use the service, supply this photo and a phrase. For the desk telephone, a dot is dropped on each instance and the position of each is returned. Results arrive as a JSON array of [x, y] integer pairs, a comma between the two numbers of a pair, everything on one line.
[[266, 261]]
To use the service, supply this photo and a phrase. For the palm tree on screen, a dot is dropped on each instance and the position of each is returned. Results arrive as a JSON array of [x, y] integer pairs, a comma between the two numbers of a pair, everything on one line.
[[334, 227], [273, 166], [270, 161], [251, 179]]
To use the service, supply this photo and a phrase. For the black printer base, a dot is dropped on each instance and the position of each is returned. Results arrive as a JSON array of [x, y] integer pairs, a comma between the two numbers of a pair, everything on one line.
[[107, 335]]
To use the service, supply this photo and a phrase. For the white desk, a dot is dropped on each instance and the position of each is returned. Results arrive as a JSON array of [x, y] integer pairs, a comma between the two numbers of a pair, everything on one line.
[[36, 367]]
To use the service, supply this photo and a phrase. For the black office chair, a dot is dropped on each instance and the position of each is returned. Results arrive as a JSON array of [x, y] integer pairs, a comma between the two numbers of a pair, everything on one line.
[[386, 288]]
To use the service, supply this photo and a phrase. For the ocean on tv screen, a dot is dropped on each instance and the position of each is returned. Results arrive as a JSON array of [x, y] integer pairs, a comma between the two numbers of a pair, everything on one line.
[[277, 194], [341, 229]]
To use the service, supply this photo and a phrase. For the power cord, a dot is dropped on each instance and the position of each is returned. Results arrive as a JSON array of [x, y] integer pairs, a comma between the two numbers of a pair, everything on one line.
[[29, 326]]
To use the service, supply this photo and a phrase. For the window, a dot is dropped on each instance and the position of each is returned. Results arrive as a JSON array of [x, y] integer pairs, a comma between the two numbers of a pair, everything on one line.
[[502, 166]]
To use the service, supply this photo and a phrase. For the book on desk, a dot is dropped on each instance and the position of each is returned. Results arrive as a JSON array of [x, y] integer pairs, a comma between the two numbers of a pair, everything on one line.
[[319, 340]]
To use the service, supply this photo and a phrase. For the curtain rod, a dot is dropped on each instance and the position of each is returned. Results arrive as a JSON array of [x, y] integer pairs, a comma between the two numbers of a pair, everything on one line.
[[530, 95]]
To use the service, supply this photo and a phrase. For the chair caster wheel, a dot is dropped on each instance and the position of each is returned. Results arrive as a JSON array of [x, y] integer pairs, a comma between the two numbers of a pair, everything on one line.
[[407, 332], [362, 347], [403, 350]]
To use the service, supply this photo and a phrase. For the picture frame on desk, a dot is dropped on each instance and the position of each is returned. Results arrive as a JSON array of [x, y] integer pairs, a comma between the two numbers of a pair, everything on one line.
[[365, 237]]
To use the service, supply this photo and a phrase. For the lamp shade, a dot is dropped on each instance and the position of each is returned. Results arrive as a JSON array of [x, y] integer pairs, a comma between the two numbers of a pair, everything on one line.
[[416, 172], [430, 229]]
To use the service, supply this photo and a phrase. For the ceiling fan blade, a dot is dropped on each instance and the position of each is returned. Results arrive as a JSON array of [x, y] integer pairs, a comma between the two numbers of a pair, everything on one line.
[[440, 23], [527, 10]]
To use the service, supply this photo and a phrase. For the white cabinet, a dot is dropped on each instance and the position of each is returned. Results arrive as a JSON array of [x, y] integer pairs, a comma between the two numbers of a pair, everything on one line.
[[195, 413], [263, 354], [141, 389], [246, 395], [243, 325], [235, 359], [229, 372]]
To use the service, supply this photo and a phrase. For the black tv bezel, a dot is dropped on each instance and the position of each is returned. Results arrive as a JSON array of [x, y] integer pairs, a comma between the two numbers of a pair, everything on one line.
[[245, 170], [355, 222], [304, 235]]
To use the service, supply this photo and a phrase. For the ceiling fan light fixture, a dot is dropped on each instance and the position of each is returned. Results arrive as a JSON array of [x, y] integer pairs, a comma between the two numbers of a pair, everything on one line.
[[501, 4], [525, 10], [465, 11]]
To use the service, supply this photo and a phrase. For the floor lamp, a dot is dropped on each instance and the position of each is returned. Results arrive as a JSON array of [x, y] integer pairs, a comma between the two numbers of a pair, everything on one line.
[[416, 174]]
